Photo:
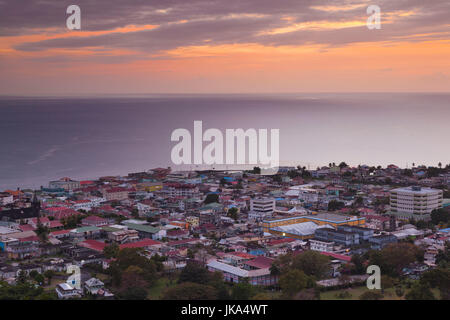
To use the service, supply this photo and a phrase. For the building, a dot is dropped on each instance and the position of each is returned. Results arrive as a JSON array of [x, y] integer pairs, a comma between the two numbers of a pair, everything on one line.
[[181, 190], [331, 219], [146, 231], [233, 274], [261, 209], [303, 230], [117, 194], [415, 202], [320, 245], [93, 285], [337, 236], [94, 221], [379, 242], [67, 291], [64, 183], [364, 233], [6, 198]]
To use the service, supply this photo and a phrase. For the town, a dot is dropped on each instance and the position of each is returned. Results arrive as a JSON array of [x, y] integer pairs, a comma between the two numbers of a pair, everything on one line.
[[299, 234]]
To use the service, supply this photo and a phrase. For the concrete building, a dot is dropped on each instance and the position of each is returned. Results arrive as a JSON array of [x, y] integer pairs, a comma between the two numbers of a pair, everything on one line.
[[261, 209], [322, 246], [64, 183], [415, 202], [337, 236], [331, 219]]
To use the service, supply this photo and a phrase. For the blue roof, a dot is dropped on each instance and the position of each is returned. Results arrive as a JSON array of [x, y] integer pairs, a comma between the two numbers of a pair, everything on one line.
[[445, 230]]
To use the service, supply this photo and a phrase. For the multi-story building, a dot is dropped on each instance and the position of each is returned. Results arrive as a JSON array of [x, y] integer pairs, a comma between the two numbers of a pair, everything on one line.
[[337, 236], [364, 233], [181, 190], [319, 245], [117, 194], [64, 183], [415, 202], [6, 198], [261, 208]]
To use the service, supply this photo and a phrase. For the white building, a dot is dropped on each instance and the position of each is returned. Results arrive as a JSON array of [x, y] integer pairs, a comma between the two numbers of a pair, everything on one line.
[[319, 245], [67, 291], [261, 209], [415, 200], [6, 198]]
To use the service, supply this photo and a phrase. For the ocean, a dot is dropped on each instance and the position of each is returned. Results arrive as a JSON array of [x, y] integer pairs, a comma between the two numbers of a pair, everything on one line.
[[43, 139]]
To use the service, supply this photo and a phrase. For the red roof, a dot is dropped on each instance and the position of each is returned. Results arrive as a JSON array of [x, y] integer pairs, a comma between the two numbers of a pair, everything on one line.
[[30, 238], [93, 244], [58, 232], [94, 219], [26, 227], [280, 241], [184, 241], [260, 262], [243, 255], [337, 256], [140, 244], [55, 224], [85, 182]]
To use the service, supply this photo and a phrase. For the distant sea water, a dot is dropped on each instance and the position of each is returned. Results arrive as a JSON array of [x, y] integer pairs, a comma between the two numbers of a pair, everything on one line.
[[43, 139]]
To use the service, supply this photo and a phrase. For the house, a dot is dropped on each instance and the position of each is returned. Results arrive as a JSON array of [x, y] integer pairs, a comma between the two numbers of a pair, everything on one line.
[[93, 285], [379, 242], [94, 221], [67, 291], [234, 274], [117, 194], [146, 231]]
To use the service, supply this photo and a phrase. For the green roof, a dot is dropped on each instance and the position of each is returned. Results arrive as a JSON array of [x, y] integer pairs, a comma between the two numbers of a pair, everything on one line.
[[85, 229], [213, 205], [141, 227], [110, 229]]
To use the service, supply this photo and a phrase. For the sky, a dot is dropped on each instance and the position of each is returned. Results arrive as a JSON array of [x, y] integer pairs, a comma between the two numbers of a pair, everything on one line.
[[232, 46]]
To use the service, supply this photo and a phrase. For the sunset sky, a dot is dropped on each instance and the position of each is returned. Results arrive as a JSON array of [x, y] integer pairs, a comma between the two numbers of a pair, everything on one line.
[[236, 46]]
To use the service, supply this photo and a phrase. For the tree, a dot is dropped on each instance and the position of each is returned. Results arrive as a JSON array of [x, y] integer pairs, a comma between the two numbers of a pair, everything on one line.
[[438, 278], [233, 213], [371, 295], [130, 257], [211, 198], [343, 165], [439, 216], [292, 282], [358, 262], [420, 291], [194, 273], [334, 205], [133, 285], [39, 278], [49, 274], [308, 294], [42, 232], [256, 170], [111, 251], [190, 291], [242, 291], [312, 263], [394, 257]]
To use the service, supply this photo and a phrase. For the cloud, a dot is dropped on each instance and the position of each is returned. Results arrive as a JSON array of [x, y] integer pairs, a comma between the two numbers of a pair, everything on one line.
[[178, 23]]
